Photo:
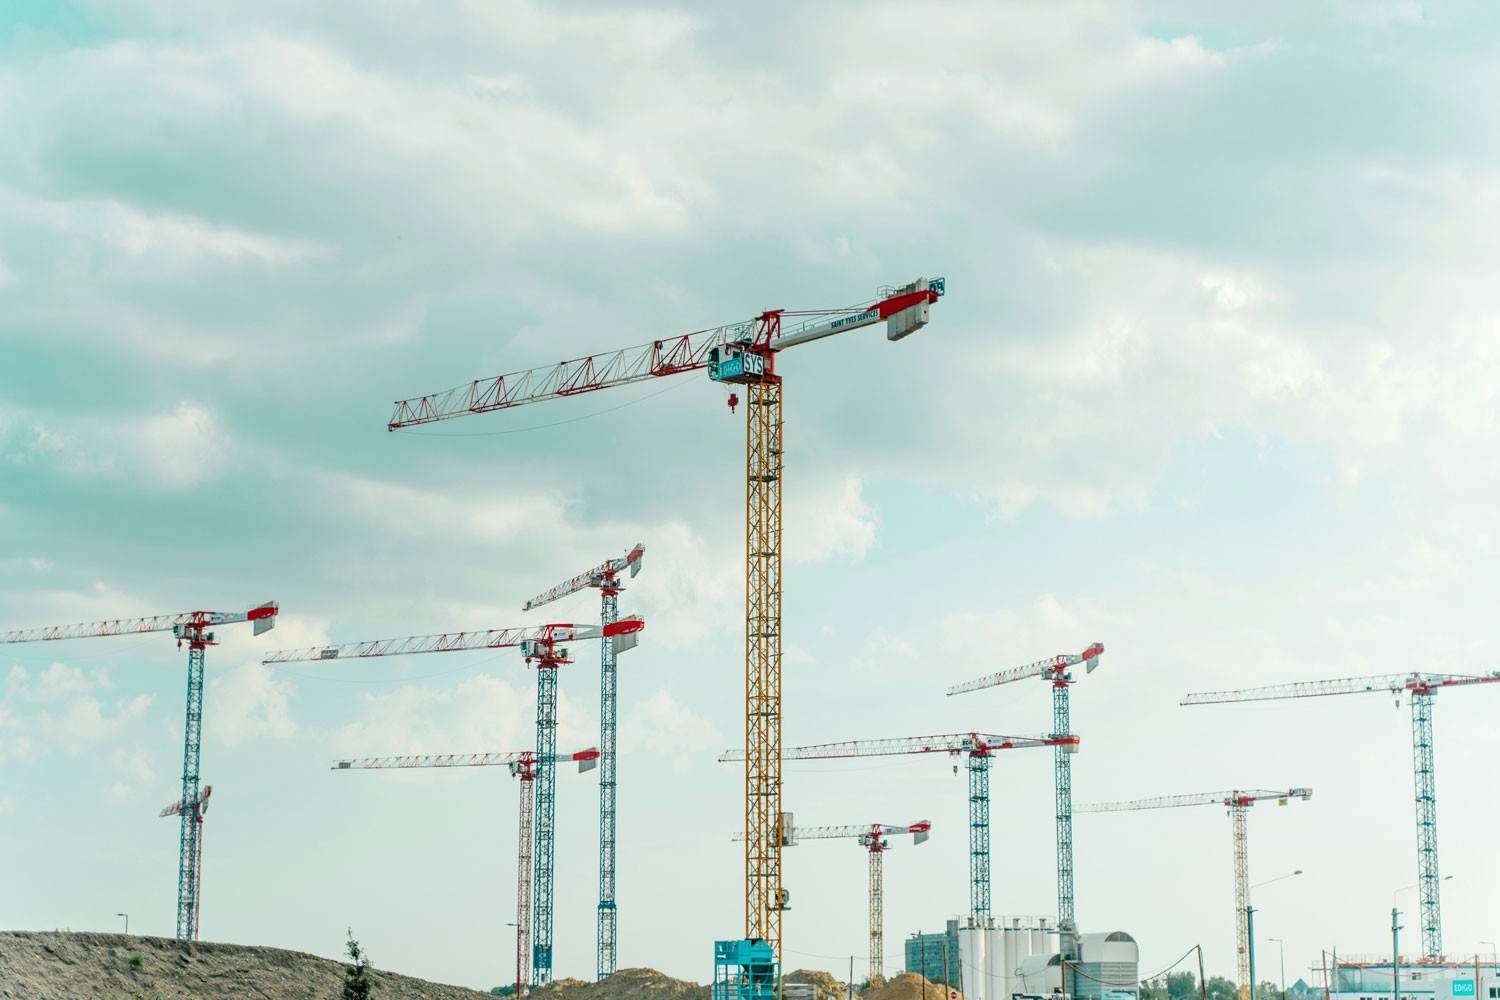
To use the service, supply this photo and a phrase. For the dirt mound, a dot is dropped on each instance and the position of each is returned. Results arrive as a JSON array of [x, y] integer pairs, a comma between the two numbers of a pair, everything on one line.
[[907, 986], [54, 965], [626, 984], [828, 987]]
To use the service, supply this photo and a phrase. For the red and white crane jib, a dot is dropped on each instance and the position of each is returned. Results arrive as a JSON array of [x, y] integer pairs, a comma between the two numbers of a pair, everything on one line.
[[179, 807], [904, 310], [1054, 668], [600, 576], [585, 759], [1417, 683], [264, 617], [537, 641], [975, 744], [1241, 798]]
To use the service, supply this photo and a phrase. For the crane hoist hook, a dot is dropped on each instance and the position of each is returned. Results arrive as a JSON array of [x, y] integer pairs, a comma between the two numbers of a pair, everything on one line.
[[734, 400]]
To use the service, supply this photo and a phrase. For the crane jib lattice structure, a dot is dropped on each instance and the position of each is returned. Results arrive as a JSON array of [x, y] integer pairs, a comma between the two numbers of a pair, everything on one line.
[[1420, 687], [192, 628], [742, 353], [870, 836], [538, 645], [523, 767], [1057, 671], [1237, 802], [605, 578], [978, 748]]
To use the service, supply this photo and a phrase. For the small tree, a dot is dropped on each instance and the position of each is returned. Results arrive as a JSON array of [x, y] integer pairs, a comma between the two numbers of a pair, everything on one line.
[[357, 985]]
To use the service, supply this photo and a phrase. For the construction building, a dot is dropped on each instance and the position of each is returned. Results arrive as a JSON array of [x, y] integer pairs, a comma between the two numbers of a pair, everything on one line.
[[1372, 979], [999, 958], [1108, 968], [934, 956]]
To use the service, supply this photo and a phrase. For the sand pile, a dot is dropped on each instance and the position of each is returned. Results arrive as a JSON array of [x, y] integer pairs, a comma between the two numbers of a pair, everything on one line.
[[908, 986], [828, 987], [60, 965], [626, 984]]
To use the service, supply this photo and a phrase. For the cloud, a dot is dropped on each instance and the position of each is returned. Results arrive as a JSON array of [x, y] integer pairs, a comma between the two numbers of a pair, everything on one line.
[[126, 227], [480, 714], [669, 731], [249, 703], [830, 520]]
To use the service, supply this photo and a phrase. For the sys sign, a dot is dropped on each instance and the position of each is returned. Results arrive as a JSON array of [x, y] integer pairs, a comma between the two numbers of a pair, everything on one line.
[[741, 365], [1463, 987]]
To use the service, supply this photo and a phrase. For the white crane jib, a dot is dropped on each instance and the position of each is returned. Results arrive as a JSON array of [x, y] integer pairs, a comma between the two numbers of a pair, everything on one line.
[[596, 577]]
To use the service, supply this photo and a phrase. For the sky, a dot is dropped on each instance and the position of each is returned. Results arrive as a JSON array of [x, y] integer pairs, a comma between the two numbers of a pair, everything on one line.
[[1214, 383]]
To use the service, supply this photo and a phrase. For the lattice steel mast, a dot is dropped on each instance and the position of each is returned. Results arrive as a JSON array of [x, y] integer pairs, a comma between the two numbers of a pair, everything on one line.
[[195, 811], [737, 353], [190, 627], [1057, 672], [539, 646], [1420, 687], [523, 767], [871, 836], [978, 748], [606, 579], [1237, 802]]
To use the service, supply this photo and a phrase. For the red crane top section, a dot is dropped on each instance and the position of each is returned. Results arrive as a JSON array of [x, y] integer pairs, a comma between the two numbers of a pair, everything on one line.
[[264, 617], [1054, 669], [972, 744], [604, 576], [180, 806]]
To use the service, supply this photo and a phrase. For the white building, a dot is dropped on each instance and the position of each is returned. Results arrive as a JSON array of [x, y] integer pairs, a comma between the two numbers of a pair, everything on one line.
[[1455, 981], [1014, 956]]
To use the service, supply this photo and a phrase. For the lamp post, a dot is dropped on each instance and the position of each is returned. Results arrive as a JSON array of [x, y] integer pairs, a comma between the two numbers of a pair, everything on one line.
[[1492, 952], [127, 922], [1396, 942], [1250, 926], [1281, 947]]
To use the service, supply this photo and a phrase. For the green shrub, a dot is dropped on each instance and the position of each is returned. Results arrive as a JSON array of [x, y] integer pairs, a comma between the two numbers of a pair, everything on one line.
[[137, 961]]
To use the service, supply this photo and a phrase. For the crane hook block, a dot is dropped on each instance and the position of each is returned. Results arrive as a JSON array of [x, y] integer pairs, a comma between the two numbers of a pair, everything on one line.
[[734, 400]]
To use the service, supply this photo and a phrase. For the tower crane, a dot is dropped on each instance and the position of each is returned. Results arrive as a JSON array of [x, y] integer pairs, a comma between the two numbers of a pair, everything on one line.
[[871, 836], [196, 809], [1056, 671], [977, 747], [538, 645], [1420, 687], [1237, 802], [742, 353], [606, 579], [192, 628], [523, 767]]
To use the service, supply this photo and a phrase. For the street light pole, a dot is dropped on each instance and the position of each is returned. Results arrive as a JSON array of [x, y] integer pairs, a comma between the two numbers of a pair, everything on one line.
[[1250, 927], [1396, 954], [127, 922], [1250, 933], [1492, 952], [1281, 947]]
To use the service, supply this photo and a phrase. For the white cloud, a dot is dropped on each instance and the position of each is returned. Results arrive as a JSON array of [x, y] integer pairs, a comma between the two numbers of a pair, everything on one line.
[[60, 680], [249, 703], [480, 714], [830, 520], [86, 721], [136, 232], [670, 731]]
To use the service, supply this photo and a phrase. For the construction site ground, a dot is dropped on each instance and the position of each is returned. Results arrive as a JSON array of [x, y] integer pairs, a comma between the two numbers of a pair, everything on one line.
[[62, 965], [59, 965]]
